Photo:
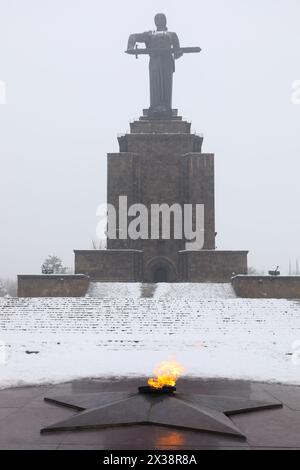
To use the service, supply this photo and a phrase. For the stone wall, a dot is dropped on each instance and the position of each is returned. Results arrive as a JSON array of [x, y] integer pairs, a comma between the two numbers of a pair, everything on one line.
[[211, 265], [133, 266], [160, 161], [277, 287], [52, 285], [109, 265], [197, 179]]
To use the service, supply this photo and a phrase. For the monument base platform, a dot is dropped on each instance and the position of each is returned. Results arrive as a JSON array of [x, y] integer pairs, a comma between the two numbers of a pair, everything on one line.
[[134, 266]]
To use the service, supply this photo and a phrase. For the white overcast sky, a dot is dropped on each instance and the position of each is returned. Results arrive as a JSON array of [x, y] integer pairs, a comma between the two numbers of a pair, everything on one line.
[[71, 90]]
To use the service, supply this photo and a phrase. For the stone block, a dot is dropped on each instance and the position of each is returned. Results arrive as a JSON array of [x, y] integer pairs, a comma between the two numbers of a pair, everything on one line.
[[211, 265], [52, 285], [276, 287], [109, 265]]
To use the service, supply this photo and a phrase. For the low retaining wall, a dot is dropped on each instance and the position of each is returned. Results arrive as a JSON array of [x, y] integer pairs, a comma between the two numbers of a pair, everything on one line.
[[268, 287], [53, 285]]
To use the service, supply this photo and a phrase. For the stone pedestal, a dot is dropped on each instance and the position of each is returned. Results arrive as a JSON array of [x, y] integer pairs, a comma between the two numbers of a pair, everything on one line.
[[161, 161]]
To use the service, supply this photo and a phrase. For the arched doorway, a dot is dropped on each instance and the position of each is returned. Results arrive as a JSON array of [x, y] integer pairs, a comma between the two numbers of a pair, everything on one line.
[[160, 274], [160, 270]]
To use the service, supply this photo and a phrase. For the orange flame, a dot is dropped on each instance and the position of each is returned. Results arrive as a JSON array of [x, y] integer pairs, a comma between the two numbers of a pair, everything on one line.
[[166, 373]]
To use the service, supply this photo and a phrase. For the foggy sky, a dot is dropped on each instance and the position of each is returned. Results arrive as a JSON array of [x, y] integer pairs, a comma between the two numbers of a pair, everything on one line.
[[71, 90]]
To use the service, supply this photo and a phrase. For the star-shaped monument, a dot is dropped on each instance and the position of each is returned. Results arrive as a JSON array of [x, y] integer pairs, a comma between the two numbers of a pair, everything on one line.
[[208, 413]]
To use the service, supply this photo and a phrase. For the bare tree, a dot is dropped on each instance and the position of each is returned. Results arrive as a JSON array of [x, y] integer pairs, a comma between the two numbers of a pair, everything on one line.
[[3, 291], [8, 287], [53, 265]]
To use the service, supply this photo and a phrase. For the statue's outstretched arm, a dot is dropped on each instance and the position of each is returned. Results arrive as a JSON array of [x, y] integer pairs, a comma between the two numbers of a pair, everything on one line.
[[176, 45], [137, 37]]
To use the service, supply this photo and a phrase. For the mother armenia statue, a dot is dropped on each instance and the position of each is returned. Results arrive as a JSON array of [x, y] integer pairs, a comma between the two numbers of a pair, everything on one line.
[[163, 47]]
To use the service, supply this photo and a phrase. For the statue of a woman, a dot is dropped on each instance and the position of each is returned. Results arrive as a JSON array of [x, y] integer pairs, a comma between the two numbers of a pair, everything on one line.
[[162, 63]]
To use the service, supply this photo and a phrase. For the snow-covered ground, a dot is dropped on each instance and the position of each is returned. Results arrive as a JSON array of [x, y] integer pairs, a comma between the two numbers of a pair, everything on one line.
[[60, 339], [187, 290]]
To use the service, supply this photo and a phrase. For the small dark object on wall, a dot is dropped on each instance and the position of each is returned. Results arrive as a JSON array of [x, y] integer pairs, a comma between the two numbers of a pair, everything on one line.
[[274, 273], [47, 270]]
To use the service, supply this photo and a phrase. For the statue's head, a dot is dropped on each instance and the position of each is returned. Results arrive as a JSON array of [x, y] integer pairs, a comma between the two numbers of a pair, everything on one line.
[[160, 21]]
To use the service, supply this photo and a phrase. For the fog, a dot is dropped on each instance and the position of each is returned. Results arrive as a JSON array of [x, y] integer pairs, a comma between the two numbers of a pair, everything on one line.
[[70, 90]]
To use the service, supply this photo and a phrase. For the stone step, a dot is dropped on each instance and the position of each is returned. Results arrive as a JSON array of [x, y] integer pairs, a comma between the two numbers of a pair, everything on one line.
[[140, 317], [164, 290]]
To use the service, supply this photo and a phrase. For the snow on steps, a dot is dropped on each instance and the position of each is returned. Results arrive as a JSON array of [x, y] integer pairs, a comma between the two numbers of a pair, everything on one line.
[[180, 290], [144, 318], [132, 316], [96, 337]]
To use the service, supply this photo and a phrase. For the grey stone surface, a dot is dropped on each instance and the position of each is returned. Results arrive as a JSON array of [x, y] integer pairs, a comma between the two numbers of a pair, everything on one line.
[[180, 410], [110, 265], [20, 429], [279, 428], [290, 395], [52, 285], [176, 126], [266, 287], [161, 162], [211, 265]]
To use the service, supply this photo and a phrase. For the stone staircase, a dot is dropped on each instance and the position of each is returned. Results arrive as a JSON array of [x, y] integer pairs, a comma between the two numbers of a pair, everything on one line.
[[59, 339], [156, 291], [132, 319]]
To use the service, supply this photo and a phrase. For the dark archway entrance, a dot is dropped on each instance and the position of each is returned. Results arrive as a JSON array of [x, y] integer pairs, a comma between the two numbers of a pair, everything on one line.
[[160, 270], [160, 274]]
